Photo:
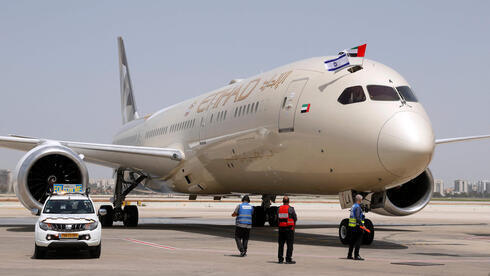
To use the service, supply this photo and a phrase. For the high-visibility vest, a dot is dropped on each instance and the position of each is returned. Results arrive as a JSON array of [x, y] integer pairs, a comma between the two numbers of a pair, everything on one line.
[[245, 213], [284, 219], [352, 217]]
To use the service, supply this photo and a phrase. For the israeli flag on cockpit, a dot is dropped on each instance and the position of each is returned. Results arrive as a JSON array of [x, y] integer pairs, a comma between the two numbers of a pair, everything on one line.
[[337, 63]]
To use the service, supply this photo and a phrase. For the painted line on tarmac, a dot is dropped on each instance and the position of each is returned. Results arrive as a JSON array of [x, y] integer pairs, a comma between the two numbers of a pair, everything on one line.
[[151, 244]]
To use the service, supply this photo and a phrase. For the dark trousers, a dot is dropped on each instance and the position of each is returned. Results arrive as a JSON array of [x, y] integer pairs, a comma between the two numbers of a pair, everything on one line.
[[241, 237], [355, 240], [286, 235]]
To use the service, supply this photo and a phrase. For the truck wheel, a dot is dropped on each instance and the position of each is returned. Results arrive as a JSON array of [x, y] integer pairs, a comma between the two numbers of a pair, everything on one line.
[[107, 220], [39, 252], [344, 233], [95, 252], [130, 218]]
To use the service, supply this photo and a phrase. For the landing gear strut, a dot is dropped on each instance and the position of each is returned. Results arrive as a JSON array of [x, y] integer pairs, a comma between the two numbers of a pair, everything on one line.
[[129, 214], [265, 212]]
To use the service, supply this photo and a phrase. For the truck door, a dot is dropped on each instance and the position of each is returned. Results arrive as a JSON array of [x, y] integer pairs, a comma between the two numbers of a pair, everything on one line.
[[289, 104]]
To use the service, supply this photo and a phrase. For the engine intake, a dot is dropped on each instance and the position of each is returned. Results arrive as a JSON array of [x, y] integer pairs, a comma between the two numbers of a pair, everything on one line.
[[406, 199], [43, 166]]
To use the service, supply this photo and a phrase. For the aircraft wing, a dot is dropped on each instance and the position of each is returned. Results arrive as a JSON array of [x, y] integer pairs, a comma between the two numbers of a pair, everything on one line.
[[159, 161], [461, 139]]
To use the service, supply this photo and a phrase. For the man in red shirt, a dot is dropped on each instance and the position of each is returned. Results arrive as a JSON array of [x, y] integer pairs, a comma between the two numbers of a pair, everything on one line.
[[287, 221]]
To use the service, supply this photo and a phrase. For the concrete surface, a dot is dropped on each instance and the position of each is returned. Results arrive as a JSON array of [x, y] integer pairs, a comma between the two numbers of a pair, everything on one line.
[[196, 238]]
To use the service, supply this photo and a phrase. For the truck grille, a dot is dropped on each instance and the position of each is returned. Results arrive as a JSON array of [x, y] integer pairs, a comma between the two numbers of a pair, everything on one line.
[[61, 227]]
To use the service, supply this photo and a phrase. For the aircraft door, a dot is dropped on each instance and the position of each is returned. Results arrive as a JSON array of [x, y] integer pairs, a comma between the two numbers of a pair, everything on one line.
[[289, 104]]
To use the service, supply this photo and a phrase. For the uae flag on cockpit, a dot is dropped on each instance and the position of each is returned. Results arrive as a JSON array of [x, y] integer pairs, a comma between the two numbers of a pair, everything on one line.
[[358, 51]]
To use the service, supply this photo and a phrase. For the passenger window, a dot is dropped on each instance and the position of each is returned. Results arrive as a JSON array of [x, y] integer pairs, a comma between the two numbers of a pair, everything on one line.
[[382, 93], [236, 110], [354, 94], [407, 94], [256, 106]]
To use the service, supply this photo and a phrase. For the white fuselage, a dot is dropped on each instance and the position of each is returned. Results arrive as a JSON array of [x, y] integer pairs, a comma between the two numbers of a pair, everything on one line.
[[251, 136]]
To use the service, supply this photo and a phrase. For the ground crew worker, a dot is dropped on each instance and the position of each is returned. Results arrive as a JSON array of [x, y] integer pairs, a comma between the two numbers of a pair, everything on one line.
[[243, 213], [287, 220], [356, 220]]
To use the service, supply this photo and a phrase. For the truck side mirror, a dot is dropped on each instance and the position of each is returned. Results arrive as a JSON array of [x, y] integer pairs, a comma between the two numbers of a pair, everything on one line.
[[35, 211], [102, 212]]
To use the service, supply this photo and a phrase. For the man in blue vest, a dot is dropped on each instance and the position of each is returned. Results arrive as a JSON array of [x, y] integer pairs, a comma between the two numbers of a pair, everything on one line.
[[243, 213], [356, 220]]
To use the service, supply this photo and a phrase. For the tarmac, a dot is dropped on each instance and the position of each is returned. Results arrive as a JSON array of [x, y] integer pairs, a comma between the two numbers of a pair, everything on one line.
[[179, 237]]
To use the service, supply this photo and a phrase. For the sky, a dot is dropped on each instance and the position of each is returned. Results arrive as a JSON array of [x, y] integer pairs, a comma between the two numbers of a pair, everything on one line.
[[59, 75]]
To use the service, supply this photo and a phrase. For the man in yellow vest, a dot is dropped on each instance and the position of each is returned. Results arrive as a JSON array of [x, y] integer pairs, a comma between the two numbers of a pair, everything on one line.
[[356, 220], [287, 220]]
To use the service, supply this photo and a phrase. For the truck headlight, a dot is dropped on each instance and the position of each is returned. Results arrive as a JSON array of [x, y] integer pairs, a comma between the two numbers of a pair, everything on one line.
[[45, 226], [91, 226]]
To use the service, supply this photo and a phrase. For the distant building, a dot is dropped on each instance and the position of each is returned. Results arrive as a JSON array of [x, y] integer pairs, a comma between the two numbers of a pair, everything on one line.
[[480, 186], [6, 181], [460, 186], [439, 186], [487, 187]]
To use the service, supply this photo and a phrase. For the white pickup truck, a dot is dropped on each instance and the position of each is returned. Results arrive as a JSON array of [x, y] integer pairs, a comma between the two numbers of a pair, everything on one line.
[[67, 221]]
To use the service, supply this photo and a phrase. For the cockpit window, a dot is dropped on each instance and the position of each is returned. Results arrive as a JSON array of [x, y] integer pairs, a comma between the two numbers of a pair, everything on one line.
[[407, 93], [382, 93], [354, 94]]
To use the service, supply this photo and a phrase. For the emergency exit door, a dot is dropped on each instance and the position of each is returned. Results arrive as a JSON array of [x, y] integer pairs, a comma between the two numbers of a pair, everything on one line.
[[289, 105]]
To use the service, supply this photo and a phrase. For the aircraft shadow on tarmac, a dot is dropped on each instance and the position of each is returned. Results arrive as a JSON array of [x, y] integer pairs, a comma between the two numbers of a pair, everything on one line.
[[266, 234]]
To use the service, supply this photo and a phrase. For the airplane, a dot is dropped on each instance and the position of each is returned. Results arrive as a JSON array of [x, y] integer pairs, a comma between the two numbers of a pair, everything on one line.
[[298, 129]]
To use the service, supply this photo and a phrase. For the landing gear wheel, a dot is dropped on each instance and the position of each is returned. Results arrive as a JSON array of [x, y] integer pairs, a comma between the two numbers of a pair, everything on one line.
[[272, 216], [258, 216], [39, 252], [344, 233], [368, 238], [108, 219], [95, 252], [130, 218]]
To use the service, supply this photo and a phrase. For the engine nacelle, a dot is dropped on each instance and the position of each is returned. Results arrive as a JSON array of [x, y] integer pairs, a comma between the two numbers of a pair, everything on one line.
[[406, 199], [41, 167]]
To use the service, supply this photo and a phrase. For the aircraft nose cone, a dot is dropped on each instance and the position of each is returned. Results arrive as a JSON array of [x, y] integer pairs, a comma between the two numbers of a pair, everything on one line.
[[406, 144]]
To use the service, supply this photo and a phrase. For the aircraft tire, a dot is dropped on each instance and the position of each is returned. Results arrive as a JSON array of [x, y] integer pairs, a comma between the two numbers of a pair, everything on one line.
[[107, 220], [344, 233], [272, 216], [258, 216], [130, 218], [368, 238]]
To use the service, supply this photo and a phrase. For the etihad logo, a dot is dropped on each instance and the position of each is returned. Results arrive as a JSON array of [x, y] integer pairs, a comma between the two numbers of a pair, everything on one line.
[[239, 92]]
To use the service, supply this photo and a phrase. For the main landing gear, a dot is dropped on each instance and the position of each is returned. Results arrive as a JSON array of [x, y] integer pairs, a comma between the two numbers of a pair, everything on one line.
[[344, 233], [129, 214], [265, 212]]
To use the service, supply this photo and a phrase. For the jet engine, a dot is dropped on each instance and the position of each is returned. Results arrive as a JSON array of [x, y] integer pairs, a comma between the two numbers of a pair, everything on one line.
[[44, 166], [406, 199]]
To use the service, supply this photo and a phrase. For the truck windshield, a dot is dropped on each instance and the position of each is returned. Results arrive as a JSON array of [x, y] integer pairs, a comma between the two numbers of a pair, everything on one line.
[[65, 206]]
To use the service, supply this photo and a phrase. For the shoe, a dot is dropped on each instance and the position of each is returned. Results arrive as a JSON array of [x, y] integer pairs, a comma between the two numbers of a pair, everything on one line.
[[349, 257], [243, 254], [280, 261], [290, 262], [358, 258]]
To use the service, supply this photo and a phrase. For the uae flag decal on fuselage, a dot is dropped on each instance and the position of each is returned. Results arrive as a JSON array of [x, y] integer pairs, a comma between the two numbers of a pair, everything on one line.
[[305, 108]]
